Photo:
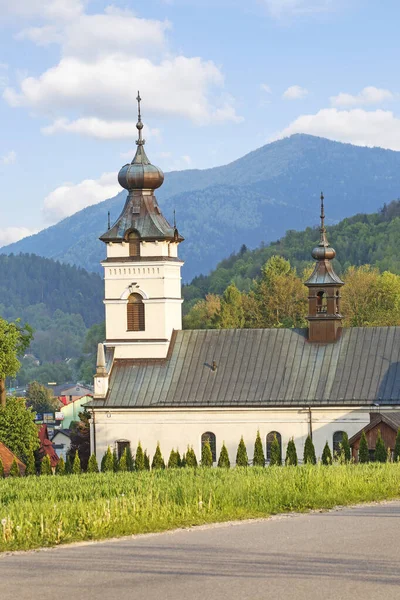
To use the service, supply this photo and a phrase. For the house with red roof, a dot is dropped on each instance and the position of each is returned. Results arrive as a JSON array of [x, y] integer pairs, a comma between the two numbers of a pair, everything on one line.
[[46, 447], [7, 458]]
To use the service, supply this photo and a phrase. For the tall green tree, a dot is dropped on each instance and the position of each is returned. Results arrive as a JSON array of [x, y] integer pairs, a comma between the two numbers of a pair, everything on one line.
[[309, 452], [107, 464], [123, 462], [363, 452], [173, 460], [158, 461], [326, 455], [291, 454], [14, 340], [76, 465], [346, 447], [139, 458], [146, 461], [93, 467], [30, 464], [275, 454], [191, 459], [14, 470], [380, 450], [60, 467], [130, 463], [258, 456], [45, 467], [223, 461], [231, 312], [242, 460], [17, 428], [40, 398], [206, 455]]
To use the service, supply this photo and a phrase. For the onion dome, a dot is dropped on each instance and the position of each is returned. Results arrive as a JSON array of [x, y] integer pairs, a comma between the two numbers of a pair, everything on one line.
[[323, 251], [140, 174]]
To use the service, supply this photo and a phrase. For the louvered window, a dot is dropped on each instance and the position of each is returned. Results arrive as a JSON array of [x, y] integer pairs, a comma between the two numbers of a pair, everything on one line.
[[135, 313], [134, 244]]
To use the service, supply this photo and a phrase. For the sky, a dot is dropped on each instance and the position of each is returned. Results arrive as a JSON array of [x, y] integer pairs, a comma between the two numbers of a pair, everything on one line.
[[218, 78]]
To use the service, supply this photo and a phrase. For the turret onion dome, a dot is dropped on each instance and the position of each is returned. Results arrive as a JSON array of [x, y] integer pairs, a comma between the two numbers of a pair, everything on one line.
[[323, 250], [140, 174]]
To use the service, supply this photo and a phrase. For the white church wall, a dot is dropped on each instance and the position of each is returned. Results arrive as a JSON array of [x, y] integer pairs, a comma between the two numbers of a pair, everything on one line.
[[180, 428]]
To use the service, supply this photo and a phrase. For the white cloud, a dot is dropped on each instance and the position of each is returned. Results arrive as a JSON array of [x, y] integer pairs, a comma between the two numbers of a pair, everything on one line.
[[357, 126], [295, 92], [99, 128], [368, 95], [67, 199], [9, 158], [265, 88], [283, 8], [47, 9], [8, 235]]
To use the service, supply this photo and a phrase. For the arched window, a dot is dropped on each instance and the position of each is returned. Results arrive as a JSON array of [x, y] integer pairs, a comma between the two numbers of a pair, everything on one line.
[[270, 438], [337, 440], [135, 313], [121, 445], [321, 302], [134, 244], [209, 437]]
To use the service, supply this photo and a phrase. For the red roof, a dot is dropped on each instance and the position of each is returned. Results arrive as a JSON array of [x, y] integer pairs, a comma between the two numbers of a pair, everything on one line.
[[46, 447], [7, 458]]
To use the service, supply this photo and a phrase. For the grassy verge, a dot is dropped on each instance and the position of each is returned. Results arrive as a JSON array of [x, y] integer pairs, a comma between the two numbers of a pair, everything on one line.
[[46, 511]]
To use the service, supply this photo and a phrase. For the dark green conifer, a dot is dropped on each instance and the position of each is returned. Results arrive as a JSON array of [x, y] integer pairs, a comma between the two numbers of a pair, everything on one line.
[[258, 457], [363, 452], [123, 462], [130, 463], [93, 467], [68, 465], [223, 460], [275, 459], [206, 455], [30, 464], [139, 458], [158, 461], [1, 468], [346, 447], [191, 459], [183, 461], [76, 467], [173, 460], [115, 461], [14, 470], [107, 464], [326, 455], [291, 454], [178, 458], [60, 467], [396, 452], [242, 459], [146, 459], [309, 452], [380, 450], [45, 467]]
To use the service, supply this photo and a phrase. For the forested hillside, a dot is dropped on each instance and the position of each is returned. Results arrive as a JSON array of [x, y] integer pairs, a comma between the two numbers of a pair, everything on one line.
[[252, 200]]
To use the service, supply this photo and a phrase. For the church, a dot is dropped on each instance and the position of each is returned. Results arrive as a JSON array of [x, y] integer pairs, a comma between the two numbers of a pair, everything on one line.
[[155, 382]]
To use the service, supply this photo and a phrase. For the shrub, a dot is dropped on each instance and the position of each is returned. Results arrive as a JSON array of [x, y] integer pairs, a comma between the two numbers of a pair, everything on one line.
[[76, 467], [206, 455], [139, 458], [107, 464], [123, 462], [326, 455], [363, 452], [275, 459], [173, 460], [68, 465], [223, 460], [115, 461], [183, 461], [380, 450], [346, 447], [45, 467], [14, 470], [258, 457], [291, 454], [191, 460], [178, 458], [158, 461], [146, 460], [130, 463], [396, 452], [1, 468], [93, 467], [309, 452], [241, 454], [60, 467], [30, 464]]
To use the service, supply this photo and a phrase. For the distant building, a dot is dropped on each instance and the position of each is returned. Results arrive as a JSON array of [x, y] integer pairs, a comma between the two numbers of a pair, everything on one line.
[[46, 446], [156, 383], [69, 392], [7, 458], [71, 411], [62, 442], [387, 423]]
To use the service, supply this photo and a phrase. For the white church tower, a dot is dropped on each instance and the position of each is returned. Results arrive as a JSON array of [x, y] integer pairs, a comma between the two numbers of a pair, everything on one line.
[[142, 271]]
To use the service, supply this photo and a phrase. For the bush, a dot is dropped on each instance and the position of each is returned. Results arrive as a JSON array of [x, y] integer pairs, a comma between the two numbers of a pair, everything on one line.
[[1, 468], [130, 463], [206, 455], [173, 462], [396, 452], [242, 459], [363, 452], [139, 458], [68, 466], [191, 460], [258, 457], [309, 452], [223, 460], [60, 467], [275, 459], [326, 455], [14, 470], [30, 464], [380, 450], [115, 461], [183, 461], [178, 458], [107, 464], [76, 467], [291, 454], [346, 447], [93, 467], [45, 467], [158, 461], [123, 462], [146, 460]]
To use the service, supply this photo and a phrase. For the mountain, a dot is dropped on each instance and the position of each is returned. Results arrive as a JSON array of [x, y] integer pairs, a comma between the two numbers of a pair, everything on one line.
[[251, 200]]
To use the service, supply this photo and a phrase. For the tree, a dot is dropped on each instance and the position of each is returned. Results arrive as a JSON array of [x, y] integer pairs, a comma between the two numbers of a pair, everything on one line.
[[173, 460], [115, 461], [309, 452], [183, 461], [223, 461], [123, 462], [363, 452], [231, 313], [206, 455], [68, 466], [30, 464], [76, 466], [241, 454], [158, 461], [139, 459], [93, 467], [346, 447], [275, 459], [14, 340], [107, 464], [40, 398], [291, 454], [1, 468], [203, 314], [14, 470], [380, 450], [191, 460], [258, 457], [60, 467], [80, 438], [45, 467], [146, 460], [396, 452], [130, 463], [17, 428], [326, 455]]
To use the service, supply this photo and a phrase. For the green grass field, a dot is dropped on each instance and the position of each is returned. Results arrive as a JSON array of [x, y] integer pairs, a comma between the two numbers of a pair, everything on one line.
[[46, 511]]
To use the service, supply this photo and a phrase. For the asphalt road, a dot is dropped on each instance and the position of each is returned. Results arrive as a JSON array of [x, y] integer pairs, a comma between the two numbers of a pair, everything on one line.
[[351, 554]]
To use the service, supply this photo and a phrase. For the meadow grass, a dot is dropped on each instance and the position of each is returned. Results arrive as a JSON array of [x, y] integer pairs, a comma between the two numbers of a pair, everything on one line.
[[46, 511]]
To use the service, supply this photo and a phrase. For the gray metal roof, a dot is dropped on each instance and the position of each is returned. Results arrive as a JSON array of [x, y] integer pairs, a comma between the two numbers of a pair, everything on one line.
[[262, 367]]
